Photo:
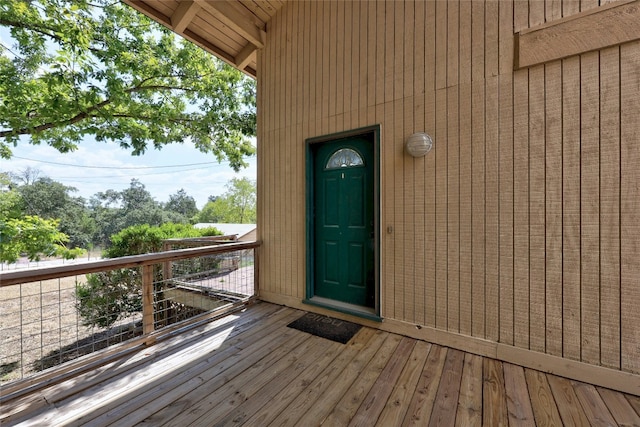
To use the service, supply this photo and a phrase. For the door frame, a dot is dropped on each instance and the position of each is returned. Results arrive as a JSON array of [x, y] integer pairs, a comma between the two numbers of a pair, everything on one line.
[[372, 133]]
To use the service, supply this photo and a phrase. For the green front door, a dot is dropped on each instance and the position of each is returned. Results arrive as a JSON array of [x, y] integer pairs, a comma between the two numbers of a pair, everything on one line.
[[343, 223]]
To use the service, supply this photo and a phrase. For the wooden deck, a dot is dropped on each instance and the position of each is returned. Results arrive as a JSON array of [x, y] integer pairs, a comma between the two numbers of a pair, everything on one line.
[[250, 369]]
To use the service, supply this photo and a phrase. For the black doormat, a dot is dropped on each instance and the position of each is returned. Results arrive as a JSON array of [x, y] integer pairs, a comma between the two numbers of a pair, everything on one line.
[[326, 327]]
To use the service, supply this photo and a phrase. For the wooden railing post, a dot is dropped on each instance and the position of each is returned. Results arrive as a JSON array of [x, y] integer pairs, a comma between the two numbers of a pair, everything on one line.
[[256, 272], [167, 270], [147, 301]]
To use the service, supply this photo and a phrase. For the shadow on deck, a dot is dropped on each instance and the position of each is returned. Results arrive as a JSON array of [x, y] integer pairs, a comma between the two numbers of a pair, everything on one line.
[[248, 368]]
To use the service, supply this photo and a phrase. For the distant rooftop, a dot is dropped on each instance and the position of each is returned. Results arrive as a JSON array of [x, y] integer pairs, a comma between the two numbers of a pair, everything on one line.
[[227, 229]]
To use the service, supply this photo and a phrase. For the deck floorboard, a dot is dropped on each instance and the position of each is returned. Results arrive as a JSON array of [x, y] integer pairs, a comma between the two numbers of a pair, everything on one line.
[[249, 369]]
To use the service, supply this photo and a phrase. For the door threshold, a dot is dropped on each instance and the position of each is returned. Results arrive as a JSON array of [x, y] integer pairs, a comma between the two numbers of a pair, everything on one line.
[[343, 307]]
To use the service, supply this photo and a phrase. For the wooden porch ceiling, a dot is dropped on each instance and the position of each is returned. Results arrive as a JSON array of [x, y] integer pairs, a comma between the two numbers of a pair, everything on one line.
[[233, 30], [250, 369]]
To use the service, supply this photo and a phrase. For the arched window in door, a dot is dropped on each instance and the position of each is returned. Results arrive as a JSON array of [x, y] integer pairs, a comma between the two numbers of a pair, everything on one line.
[[344, 158]]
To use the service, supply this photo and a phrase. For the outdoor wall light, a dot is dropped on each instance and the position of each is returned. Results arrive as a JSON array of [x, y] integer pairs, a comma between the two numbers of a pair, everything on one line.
[[418, 144]]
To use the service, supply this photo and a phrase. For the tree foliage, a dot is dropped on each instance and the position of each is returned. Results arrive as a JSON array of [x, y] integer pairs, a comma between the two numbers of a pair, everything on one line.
[[50, 199], [35, 208], [117, 210], [24, 234], [10, 200], [100, 68], [109, 296], [142, 239], [236, 206], [182, 204], [33, 237]]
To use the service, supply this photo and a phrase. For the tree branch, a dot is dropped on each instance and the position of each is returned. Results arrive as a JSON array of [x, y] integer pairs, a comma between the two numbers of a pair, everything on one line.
[[160, 88], [40, 29], [45, 126], [152, 119], [44, 30], [86, 113]]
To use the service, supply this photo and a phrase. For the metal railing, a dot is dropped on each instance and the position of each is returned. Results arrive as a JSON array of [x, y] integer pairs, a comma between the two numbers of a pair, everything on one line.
[[52, 315]]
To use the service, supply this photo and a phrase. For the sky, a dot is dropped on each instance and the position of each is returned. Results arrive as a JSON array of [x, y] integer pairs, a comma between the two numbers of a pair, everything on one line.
[[98, 166]]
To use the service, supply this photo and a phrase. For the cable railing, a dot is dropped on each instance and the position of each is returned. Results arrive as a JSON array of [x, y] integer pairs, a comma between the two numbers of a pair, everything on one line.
[[53, 315]]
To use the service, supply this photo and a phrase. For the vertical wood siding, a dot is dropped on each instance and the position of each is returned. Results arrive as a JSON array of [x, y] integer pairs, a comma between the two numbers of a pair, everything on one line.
[[522, 226]]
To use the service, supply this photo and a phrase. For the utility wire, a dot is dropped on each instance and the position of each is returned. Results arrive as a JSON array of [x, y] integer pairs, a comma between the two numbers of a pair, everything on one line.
[[139, 174], [115, 167], [5, 47]]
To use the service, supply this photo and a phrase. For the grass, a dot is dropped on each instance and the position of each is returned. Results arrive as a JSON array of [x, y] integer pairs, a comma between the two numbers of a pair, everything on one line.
[[41, 327]]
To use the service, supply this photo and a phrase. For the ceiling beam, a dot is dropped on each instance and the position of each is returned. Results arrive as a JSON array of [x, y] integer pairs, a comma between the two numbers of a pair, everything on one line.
[[183, 15], [149, 11], [235, 20], [207, 45], [245, 56]]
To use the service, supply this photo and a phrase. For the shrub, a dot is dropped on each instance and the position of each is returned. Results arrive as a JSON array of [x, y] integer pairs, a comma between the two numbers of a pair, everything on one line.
[[109, 296]]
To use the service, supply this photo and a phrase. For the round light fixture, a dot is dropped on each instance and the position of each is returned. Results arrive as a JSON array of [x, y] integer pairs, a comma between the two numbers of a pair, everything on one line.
[[418, 144]]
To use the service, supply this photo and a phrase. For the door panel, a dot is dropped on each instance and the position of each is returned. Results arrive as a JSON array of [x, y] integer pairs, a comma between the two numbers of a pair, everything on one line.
[[331, 253], [357, 254], [331, 203], [344, 221]]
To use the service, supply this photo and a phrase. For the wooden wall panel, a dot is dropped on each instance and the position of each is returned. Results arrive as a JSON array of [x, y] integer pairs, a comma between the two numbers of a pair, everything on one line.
[[521, 190], [477, 171], [339, 60], [280, 198], [590, 207], [300, 232], [630, 204], [347, 85], [362, 63], [372, 62], [537, 12], [261, 108], [521, 226], [492, 168], [571, 209], [491, 214], [388, 172], [521, 208], [315, 89], [570, 7], [505, 190], [453, 168], [430, 166], [419, 182], [610, 206], [398, 161], [465, 193], [440, 59], [357, 37], [440, 243], [536, 209], [409, 166], [553, 208], [332, 61], [289, 168], [453, 211]]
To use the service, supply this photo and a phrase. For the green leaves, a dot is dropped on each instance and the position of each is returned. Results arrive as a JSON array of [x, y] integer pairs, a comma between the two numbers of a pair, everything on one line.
[[32, 236], [237, 205], [109, 296], [28, 235], [103, 69]]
